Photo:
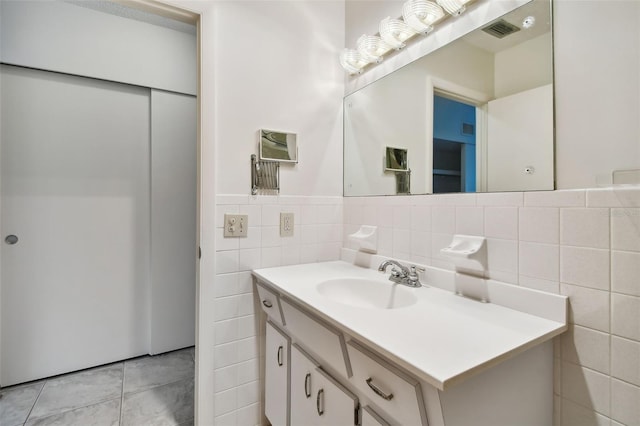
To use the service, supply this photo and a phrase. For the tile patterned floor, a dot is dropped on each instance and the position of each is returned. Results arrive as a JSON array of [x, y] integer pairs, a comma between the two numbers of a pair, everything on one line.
[[143, 391]]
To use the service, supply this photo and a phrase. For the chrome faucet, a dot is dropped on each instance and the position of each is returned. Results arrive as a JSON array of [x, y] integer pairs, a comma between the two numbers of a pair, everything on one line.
[[401, 274]]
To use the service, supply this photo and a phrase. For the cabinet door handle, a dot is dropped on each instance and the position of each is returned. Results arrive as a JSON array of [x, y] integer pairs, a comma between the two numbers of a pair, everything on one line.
[[267, 303], [320, 394], [280, 348], [307, 385], [386, 397]]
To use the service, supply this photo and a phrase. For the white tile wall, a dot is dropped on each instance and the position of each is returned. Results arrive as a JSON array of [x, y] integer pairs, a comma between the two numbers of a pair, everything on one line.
[[581, 243], [318, 231]]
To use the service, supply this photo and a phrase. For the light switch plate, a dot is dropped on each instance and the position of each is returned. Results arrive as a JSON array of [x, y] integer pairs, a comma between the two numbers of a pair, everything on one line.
[[236, 225], [286, 224]]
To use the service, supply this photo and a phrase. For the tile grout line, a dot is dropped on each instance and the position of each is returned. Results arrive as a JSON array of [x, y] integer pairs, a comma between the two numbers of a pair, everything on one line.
[[610, 333], [35, 402], [159, 386], [122, 395]]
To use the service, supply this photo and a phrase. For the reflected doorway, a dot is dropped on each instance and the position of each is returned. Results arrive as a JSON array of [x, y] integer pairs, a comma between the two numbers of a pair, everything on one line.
[[454, 146]]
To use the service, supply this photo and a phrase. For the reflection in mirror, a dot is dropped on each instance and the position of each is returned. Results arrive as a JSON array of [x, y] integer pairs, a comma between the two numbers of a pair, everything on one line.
[[278, 146], [476, 114], [396, 159]]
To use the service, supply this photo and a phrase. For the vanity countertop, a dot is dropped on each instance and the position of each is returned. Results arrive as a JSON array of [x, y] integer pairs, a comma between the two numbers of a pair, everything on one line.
[[442, 338]]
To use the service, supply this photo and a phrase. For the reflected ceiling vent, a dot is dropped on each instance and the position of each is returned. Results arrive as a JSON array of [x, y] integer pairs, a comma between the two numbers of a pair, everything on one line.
[[501, 29]]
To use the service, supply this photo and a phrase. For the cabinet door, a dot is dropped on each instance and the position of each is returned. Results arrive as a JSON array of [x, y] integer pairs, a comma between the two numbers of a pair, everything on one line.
[[334, 404], [317, 399], [277, 369], [371, 418], [304, 385]]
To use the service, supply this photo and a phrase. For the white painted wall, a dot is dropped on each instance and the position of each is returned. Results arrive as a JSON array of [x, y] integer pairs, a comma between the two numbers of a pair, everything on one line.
[[276, 68], [363, 17], [521, 129], [523, 67], [597, 90], [462, 64], [138, 53]]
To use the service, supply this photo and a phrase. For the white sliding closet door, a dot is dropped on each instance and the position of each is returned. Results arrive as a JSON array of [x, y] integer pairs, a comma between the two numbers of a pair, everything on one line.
[[76, 193], [173, 221]]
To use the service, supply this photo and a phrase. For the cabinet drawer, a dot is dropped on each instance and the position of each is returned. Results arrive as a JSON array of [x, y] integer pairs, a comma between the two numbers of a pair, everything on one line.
[[394, 391], [318, 337], [270, 303]]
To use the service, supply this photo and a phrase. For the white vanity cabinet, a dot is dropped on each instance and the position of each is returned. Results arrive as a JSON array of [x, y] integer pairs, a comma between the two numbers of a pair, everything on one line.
[[277, 375], [444, 361]]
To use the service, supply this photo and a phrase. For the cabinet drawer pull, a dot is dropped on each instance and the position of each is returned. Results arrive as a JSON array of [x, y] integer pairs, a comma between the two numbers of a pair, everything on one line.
[[307, 385], [320, 411], [386, 397], [280, 348], [267, 303]]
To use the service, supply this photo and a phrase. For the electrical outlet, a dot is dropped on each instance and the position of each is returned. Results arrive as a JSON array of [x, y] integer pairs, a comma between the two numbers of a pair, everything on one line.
[[286, 224], [236, 225]]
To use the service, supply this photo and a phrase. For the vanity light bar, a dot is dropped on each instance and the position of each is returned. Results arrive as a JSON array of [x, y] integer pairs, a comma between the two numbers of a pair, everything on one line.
[[418, 17]]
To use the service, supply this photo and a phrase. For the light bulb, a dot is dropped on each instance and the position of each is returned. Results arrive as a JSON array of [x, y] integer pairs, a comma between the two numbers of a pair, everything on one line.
[[395, 32], [421, 15], [372, 48], [352, 61], [454, 7]]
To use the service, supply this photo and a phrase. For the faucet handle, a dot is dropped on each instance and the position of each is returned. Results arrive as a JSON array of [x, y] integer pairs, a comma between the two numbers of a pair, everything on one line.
[[415, 269], [413, 276]]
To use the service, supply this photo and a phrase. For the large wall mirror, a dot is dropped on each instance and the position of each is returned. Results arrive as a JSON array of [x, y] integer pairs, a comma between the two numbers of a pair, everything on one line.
[[473, 116]]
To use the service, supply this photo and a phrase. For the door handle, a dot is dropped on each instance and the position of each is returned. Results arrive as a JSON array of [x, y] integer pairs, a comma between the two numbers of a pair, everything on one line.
[[307, 385], [11, 239], [378, 391], [318, 409], [280, 348]]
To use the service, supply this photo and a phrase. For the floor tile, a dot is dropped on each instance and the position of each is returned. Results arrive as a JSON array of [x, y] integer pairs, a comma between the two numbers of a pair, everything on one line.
[[17, 402], [102, 414], [166, 405], [148, 372], [77, 390]]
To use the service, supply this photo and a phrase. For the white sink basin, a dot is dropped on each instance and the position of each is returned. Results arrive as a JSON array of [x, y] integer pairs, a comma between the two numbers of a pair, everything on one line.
[[363, 293]]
